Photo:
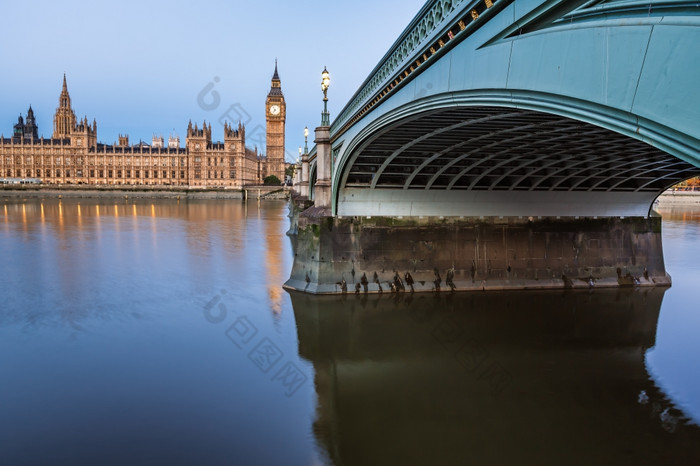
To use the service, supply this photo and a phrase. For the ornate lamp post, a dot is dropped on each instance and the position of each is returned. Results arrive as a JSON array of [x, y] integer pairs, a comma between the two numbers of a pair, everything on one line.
[[296, 177], [322, 187], [325, 84], [304, 166]]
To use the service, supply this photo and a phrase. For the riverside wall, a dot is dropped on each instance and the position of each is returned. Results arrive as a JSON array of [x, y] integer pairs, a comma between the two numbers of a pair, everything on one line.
[[251, 193]]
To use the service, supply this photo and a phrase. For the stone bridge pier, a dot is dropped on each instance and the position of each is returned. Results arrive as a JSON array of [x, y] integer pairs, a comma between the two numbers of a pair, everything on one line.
[[444, 254]]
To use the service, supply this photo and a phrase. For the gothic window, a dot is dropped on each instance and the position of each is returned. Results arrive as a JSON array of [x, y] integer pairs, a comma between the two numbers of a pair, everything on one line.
[[110, 173], [58, 173], [119, 173], [102, 173], [38, 173], [182, 174], [128, 173], [165, 174], [172, 174], [92, 173], [197, 174], [138, 173], [79, 173], [232, 174], [48, 173], [67, 173]]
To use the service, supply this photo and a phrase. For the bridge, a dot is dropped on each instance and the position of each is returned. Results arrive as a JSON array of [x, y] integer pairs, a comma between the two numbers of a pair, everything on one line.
[[498, 122]]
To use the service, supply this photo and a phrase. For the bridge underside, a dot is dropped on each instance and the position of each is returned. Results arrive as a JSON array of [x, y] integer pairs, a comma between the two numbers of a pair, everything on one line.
[[504, 161]]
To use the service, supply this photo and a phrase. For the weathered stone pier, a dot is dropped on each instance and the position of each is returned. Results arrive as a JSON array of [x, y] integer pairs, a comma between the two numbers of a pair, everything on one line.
[[385, 254]]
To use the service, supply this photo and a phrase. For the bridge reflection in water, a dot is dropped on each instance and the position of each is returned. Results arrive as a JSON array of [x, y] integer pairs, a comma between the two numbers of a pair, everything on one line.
[[490, 378]]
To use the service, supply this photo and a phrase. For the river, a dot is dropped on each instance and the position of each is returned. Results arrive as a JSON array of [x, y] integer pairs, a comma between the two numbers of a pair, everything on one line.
[[157, 332]]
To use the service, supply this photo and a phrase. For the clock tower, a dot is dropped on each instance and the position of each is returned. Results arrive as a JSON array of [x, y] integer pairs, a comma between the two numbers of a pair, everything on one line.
[[275, 116]]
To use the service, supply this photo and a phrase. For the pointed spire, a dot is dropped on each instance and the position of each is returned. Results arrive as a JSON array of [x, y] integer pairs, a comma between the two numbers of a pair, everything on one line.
[[65, 85], [276, 76]]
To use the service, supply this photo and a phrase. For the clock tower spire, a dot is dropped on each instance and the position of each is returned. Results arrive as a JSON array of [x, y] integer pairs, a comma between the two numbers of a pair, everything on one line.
[[275, 116]]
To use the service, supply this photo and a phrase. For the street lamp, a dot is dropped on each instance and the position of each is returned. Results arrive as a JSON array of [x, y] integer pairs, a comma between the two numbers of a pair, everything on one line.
[[306, 139], [325, 84]]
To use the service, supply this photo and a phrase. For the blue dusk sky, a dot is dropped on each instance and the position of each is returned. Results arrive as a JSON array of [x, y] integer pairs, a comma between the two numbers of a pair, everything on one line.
[[138, 67]]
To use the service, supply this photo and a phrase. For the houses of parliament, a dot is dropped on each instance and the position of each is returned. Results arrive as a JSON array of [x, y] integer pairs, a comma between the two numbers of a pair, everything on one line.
[[73, 154]]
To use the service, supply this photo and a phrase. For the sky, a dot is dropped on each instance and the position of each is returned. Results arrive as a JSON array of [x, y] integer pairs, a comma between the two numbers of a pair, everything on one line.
[[146, 68]]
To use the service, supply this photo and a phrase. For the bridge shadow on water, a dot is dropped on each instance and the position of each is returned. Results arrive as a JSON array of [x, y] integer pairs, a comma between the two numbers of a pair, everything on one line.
[[490, 378]]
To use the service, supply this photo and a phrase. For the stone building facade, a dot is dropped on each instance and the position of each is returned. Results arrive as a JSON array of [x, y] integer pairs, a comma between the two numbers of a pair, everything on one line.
[[74, 156]]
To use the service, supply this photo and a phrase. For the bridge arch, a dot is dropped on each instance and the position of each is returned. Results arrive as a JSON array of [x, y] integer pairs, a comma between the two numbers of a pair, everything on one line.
[[498, 152]]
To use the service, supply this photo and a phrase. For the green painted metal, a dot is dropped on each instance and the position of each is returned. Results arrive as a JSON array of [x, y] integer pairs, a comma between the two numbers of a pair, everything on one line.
[[628, 66]]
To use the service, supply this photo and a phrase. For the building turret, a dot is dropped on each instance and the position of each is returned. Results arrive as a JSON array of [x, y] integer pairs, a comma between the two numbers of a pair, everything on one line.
[[173, 142], [64, 119], [26, 130]]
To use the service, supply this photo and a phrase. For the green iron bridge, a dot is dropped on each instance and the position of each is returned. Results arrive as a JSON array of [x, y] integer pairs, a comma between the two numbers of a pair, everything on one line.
[[507, 144], [526, 107]]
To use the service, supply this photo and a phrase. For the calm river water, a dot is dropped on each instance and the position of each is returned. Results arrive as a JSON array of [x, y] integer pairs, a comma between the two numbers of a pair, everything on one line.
[[140, 332]]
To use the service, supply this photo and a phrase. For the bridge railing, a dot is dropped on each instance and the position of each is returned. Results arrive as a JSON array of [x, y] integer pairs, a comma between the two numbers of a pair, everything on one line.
[[437, 27]]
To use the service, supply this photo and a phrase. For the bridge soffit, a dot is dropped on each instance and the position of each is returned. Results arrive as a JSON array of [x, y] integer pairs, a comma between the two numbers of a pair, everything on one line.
[[507, 148]]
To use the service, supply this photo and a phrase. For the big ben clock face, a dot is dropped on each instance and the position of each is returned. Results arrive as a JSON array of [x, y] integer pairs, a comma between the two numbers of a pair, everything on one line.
[[274, 109]]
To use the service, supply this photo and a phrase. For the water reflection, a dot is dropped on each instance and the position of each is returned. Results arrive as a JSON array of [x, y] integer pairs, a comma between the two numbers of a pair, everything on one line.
[[76, 259], [107, 354], [545, 378]]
